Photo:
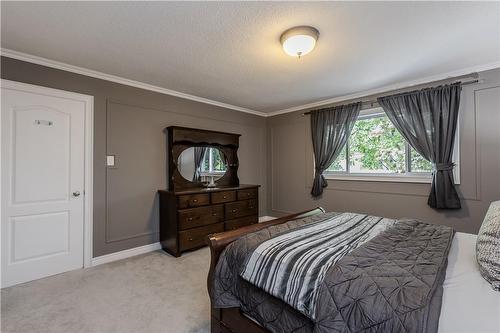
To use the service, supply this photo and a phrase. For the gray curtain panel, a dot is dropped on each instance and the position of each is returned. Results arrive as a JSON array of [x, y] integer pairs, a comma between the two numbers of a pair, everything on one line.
[[427, 119], [330, 129], [199, 154]]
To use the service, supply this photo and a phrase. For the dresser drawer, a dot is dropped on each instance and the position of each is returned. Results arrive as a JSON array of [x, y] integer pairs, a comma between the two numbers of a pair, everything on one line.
[[221, 197], [241, 222], [250, 193], [194, 200], [195, 217], [241, 208], [193, 238]]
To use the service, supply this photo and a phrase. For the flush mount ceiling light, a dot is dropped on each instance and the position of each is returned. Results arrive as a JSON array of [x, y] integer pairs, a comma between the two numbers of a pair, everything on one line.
[[299, 41]]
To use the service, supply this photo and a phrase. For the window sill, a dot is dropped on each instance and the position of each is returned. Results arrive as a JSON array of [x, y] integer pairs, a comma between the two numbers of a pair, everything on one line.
[[208, 174], [380, 178]]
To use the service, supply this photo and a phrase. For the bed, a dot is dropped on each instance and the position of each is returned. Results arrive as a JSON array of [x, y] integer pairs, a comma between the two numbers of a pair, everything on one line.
[[468, 303]]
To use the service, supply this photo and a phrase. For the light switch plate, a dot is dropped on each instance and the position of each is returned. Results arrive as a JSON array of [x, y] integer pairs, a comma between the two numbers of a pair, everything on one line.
[[110, 160]]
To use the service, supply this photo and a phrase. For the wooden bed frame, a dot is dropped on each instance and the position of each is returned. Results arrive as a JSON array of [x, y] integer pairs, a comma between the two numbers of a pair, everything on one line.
[[232, 320]]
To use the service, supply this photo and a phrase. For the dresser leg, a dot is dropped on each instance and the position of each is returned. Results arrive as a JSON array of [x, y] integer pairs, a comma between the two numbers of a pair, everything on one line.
[[176, 254]]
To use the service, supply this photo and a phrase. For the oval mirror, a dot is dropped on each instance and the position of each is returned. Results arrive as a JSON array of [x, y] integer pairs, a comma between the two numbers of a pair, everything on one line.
[[202, 164]]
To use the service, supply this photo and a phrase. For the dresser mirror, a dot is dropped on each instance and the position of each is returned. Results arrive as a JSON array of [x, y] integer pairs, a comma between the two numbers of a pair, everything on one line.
[[205, 195], [199, 159], [202, 164]]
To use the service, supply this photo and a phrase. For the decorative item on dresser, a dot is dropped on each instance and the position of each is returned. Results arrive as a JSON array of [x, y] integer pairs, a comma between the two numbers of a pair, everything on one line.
[[204, 195]]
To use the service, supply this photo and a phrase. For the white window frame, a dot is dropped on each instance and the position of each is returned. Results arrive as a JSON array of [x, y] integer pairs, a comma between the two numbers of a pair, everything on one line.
[[407, 177], [211, 171]]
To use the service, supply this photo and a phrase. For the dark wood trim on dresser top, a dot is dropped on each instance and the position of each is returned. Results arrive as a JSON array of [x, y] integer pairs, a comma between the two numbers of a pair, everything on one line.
[[188, 216]]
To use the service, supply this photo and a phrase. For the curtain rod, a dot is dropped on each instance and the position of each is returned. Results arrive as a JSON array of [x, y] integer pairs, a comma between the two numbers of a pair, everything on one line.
[[370, 104]]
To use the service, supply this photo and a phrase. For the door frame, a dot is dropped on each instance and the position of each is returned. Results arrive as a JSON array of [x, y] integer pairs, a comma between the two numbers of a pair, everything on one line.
[[88, 197]]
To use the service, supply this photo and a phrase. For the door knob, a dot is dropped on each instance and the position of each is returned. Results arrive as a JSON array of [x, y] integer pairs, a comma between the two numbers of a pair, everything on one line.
[[76, 194]]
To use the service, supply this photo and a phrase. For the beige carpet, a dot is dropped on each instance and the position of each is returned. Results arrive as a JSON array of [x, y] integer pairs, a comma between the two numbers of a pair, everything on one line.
[[148, 293]]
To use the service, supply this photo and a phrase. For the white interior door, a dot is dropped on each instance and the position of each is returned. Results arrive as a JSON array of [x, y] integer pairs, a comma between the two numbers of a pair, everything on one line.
[[43, 167]]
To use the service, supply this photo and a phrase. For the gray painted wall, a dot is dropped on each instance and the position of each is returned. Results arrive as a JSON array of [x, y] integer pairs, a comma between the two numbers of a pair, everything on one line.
[[275, 152], [290, 162], [129, 123]]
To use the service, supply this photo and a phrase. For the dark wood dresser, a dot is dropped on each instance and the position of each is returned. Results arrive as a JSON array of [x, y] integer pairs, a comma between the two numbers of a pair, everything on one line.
[[188, 216]]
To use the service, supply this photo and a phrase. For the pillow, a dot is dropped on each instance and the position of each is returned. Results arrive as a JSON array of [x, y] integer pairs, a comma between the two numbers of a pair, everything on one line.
[[488, 246], [315, 211]]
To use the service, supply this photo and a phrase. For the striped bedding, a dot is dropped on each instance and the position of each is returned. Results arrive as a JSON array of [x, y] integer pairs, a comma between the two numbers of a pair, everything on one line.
[[293, 265]]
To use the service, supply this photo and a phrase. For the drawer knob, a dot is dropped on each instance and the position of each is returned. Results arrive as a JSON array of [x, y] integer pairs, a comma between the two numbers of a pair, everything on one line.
[[248, 194], [190, 218], [224, 197], [195, 200], [190, 239], [214, 214], [251, 207], [234, 211]]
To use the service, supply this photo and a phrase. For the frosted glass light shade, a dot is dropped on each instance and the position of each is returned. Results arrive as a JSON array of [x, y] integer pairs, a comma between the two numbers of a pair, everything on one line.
[[299, 41]]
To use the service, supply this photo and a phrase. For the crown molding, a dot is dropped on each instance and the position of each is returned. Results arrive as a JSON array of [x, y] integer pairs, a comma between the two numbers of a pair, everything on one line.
[[117, 79], [137, 84], [407, 84]]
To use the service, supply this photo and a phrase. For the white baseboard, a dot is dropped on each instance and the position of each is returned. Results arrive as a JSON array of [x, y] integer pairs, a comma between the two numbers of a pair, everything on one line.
[[125, 254], [266, 218], [142, 249]]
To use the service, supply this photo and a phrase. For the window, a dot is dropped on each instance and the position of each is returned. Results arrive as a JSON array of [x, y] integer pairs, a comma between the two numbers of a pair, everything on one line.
[[212, 162], [375, 149]]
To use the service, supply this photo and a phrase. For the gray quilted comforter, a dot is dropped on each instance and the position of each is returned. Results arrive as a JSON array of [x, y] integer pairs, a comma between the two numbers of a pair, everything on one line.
[[392, 283]]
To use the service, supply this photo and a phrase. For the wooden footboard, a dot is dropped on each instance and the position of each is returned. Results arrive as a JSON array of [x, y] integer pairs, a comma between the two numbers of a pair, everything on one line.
[[232, 320]]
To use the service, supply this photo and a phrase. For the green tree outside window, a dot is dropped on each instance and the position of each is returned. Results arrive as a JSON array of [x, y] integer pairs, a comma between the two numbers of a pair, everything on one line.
[[376, 146]]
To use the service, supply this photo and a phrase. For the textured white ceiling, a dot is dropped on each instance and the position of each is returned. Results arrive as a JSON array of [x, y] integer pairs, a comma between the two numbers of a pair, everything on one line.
[[230, 51]]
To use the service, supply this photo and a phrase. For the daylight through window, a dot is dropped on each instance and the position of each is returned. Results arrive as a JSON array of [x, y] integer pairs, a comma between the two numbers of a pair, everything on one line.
[[212, 162], [376, 147]]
